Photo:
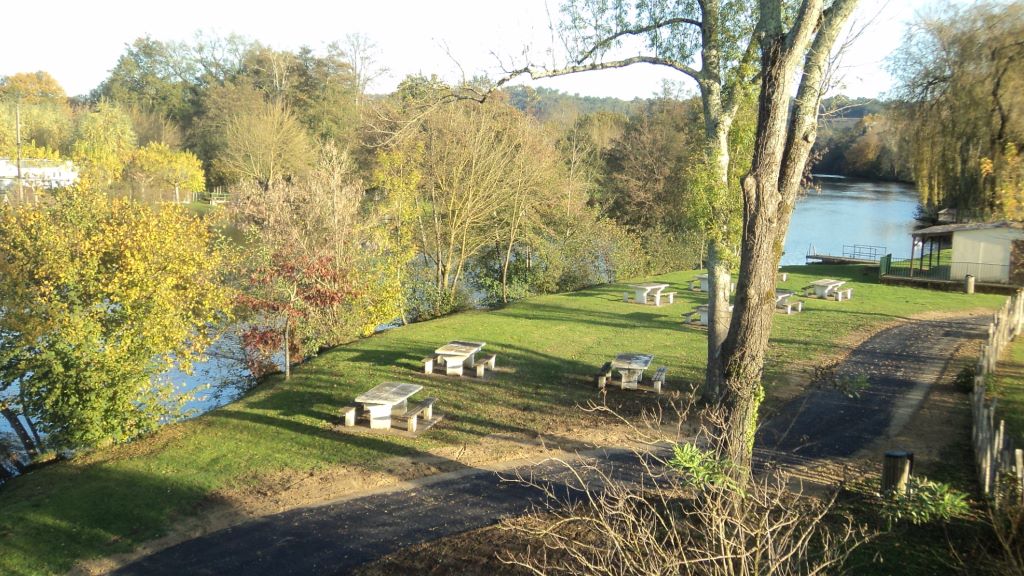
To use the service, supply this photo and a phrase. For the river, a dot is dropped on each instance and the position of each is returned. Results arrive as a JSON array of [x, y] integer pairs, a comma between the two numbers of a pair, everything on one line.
[[839, 212], [846, 211]]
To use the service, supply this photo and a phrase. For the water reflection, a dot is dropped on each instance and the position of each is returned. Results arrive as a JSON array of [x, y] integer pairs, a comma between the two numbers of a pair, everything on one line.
[[844, 211]]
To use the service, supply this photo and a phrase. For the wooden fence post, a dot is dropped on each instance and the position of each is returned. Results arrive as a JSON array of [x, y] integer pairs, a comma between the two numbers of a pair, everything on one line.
[[896, 471], [1018, 460]]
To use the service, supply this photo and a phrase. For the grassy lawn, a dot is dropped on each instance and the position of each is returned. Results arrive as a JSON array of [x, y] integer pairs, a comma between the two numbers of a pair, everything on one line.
[[548, 349], [1008, 386]]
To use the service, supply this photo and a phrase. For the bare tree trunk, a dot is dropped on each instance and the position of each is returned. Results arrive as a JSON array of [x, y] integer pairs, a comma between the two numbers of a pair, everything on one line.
[[718, 321], [287, 351], [504, 276], [19, 429], [35, 434], [5, 474]]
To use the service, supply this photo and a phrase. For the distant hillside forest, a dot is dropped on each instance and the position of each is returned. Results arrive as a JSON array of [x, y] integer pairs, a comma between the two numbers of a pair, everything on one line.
[[859, 137]]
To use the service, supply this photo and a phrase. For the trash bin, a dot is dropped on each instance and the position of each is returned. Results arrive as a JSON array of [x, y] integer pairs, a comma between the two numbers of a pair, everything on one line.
[[897, 469], [969, 284]]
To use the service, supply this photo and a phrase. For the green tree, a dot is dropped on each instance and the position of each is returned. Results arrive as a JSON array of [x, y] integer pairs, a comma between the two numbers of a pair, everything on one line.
[[39, 104], [100, 298], [397, 178], [479, 167], [151, 75]]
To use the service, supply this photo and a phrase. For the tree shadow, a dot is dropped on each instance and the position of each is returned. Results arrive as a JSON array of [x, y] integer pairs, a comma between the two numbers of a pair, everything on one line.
[[88, 511]]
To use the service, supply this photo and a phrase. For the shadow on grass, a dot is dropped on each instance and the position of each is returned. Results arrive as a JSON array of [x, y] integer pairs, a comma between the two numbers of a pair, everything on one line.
[[97, 511]]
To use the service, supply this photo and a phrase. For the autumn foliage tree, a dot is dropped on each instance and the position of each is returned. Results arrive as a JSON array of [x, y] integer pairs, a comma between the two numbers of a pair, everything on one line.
[[171, 171], [309, 275], [104, 143], [100, 298]]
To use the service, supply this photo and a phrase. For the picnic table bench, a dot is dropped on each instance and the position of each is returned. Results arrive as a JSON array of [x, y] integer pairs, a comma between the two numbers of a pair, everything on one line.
[[782, 301], [411, 417], [603, 375], [456, 355], [388, 402], [657, 381], [699, 315], [641, 291], [700, 283], [826, 287], [632, 373], [631, 366], [483, 363]]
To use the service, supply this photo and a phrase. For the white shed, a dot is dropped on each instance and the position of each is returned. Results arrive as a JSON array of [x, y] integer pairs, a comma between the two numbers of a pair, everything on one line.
[[990, 251]]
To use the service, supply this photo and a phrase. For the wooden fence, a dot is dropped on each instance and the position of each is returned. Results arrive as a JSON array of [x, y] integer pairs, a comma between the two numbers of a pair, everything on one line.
[[1000, 466]]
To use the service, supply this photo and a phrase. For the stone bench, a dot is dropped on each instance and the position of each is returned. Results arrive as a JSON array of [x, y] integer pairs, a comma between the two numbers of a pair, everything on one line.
[[692, 315], [348, 415], [791, 307], [671, 296], [424, 409], [625, 296], [604, 375], [841, 295], [659, 379], [484, 363], [428, 364]]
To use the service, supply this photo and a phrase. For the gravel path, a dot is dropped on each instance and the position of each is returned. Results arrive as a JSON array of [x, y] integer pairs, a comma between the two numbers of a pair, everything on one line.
[[900, 363]]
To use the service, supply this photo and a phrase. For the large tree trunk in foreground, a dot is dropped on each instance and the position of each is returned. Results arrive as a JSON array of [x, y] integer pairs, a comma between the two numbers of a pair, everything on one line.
[[783, 142]]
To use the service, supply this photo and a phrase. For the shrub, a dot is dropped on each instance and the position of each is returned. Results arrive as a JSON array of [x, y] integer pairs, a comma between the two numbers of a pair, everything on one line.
[[964, 380], [924, 502]]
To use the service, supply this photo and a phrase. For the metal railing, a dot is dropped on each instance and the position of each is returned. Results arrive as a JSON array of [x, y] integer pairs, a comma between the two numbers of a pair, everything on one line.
[[907, 268], [863, 251]]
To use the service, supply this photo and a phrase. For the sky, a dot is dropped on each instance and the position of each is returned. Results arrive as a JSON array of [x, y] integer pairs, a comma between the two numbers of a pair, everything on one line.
[[78, 42]]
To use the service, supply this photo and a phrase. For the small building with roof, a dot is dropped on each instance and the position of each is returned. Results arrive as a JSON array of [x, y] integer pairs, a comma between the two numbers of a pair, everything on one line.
[[992, 252]]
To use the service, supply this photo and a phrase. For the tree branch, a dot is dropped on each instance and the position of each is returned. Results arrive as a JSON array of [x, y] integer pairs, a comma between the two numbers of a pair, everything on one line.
[[634, 32], [537, 74]]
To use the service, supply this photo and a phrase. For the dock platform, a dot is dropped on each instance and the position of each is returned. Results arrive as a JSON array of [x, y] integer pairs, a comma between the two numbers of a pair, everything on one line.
[[852, 254]]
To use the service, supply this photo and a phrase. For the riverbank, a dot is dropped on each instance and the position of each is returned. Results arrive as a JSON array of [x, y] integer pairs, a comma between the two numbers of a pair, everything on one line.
[[279, 447]]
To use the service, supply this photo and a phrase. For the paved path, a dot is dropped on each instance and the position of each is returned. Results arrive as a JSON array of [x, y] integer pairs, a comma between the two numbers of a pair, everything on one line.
[[336, 538], [900, 363]]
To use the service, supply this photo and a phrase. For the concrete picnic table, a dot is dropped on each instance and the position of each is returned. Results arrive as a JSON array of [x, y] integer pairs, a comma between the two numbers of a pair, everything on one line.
[[631, 366], [825, 286], [457, 349], [782, 296], [702, 281], [384, 399], [642, 290]]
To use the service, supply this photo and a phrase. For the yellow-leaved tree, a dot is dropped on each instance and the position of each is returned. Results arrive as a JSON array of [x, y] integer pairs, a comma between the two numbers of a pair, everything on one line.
[[101, 297], [156, 168]]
